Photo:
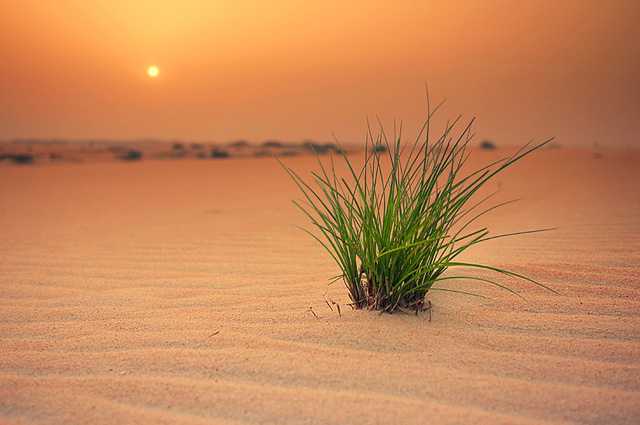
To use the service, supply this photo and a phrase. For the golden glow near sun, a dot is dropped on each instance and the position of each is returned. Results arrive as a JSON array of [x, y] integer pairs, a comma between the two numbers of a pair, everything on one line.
[[153, 71]]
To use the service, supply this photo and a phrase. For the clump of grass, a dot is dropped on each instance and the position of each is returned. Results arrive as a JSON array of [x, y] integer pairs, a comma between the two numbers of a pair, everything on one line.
[[396, 224]]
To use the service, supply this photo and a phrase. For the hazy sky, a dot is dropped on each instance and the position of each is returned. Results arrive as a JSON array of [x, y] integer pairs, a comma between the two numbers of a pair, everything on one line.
[[303, 69]]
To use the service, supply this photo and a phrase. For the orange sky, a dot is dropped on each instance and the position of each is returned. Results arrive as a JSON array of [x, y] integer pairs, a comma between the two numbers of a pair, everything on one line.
[[295, 70]]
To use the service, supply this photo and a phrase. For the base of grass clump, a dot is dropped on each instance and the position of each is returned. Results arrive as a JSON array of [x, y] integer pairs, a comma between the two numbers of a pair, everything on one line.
[[397, 223]]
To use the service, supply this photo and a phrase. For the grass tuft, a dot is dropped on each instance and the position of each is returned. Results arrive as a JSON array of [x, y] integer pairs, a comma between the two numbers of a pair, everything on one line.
[[397, 223]]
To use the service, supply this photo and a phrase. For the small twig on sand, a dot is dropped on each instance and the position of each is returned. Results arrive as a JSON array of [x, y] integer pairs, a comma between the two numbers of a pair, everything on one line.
[[313, 312], [334, 303], [329, 305]]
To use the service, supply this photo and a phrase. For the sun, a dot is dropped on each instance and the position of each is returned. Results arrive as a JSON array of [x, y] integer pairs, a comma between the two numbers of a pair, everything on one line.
[[153, 71]]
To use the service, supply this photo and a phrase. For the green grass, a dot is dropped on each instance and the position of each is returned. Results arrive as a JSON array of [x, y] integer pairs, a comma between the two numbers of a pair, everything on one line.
[[398, 222]]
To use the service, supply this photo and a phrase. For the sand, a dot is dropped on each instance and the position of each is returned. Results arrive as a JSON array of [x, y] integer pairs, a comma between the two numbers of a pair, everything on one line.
[[178, 292]]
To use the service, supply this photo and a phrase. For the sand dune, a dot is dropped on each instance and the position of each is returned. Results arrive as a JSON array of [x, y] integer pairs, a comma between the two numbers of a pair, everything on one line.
[[172, 292]]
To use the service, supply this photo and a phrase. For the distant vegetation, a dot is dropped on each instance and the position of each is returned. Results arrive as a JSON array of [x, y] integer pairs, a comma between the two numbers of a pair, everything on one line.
[[34, 151], [219, 153], [487, 145], [320, 148], [132, 155], [21, 159]]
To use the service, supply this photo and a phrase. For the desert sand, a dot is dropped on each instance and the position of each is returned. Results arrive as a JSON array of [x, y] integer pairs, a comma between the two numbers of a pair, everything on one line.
[[179, 292]]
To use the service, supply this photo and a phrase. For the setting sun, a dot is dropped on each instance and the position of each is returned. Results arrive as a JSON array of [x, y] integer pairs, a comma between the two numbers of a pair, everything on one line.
[[153, 71]]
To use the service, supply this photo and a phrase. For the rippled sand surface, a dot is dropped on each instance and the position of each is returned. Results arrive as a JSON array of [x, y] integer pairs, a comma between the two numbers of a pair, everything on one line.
[[173, 292]]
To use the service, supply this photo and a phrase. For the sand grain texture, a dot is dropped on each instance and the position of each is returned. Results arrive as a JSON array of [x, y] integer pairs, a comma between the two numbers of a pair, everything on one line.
[[178, 292]]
